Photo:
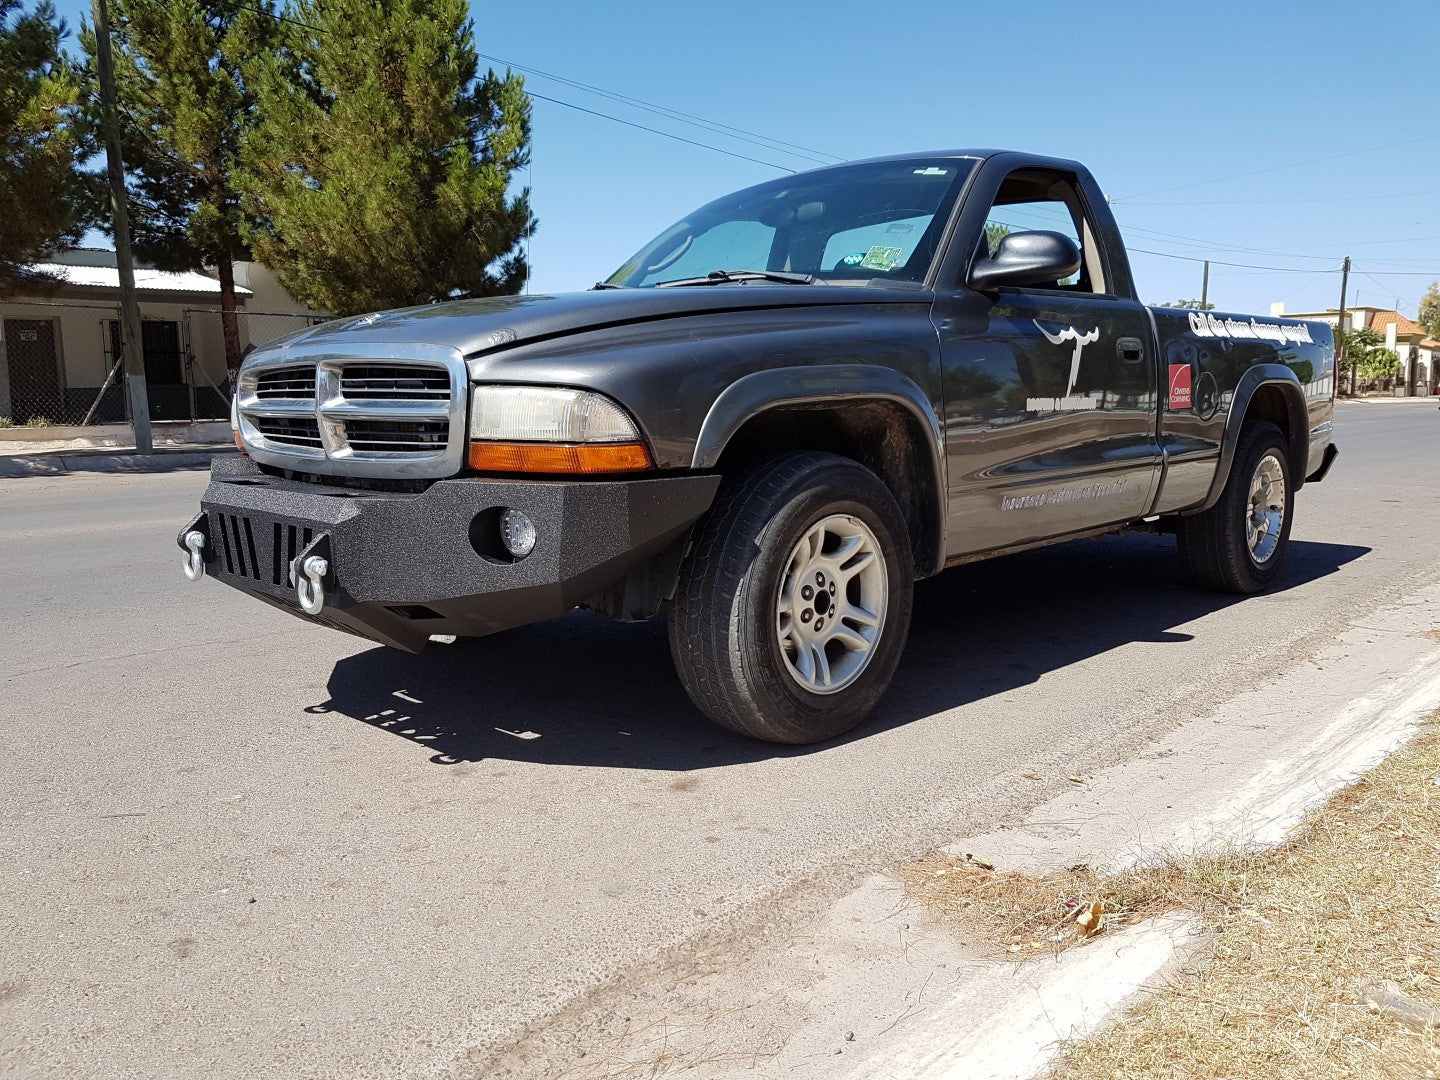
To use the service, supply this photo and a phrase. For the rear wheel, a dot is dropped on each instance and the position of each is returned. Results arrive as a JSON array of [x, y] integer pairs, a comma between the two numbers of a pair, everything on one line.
[[794, 601], [1240, 544]]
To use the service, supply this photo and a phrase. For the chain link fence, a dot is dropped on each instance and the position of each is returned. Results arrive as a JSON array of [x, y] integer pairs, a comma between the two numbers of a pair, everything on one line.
[[62, 363]]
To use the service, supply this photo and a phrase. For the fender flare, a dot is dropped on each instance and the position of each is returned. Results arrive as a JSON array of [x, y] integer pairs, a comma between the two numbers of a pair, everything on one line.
[[1262, 375], [761, 391]]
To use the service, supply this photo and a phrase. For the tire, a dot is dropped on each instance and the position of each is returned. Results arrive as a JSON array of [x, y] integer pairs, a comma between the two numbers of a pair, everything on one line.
[[734, 657], [1215, 547]]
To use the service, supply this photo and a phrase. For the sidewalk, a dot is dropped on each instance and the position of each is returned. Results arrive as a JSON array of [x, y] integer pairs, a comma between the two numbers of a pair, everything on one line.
[[167, 433], [117, 460], [110, 448]]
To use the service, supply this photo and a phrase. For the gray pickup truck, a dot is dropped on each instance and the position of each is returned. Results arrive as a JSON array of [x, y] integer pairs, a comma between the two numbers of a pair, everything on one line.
[[768, 424]]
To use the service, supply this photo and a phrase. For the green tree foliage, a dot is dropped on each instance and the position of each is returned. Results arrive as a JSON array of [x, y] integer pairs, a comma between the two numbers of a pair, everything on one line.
[[45, 199], [1430, 310], [382, 164], [186, 103], [1192, 305], [994, 233], [1367, 356]]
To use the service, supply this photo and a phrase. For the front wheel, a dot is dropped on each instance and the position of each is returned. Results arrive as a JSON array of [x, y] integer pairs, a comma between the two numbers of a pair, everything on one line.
[[1239, 545], [793, 603]]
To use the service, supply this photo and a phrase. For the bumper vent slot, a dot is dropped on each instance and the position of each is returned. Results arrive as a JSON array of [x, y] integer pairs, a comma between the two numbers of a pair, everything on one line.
[[237, 545], [287, 382], [394, 382], [269, 561], [291, 431]]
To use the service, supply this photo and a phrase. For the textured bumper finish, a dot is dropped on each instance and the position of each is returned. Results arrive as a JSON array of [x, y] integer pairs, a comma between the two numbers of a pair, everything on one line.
[[402, 566]]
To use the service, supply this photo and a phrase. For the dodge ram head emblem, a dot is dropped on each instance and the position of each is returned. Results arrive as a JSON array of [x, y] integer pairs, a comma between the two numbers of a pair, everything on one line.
[[1068, 403]]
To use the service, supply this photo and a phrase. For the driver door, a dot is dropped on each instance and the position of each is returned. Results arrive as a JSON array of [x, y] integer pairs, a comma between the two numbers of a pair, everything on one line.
[[1050, 392]]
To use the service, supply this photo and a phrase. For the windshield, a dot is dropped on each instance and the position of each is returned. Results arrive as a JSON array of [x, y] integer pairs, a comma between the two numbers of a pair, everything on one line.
[[851, 223]]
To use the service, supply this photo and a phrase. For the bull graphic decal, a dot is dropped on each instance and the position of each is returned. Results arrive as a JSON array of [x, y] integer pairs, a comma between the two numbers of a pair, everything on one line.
[[1080, 340]]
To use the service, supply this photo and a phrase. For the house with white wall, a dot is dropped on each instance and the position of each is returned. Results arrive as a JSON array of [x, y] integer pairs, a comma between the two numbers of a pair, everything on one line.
[[60, 341], [1418, 353]]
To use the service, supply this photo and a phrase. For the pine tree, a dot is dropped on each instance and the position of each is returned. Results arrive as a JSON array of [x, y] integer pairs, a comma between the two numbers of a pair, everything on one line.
[[45, 199], [1430, 310], [382, 164], [186, 105]]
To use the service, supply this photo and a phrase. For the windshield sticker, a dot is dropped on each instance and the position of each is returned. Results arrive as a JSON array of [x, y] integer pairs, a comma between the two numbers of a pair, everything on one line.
[[931, 170], [880, 257], [853, 260]]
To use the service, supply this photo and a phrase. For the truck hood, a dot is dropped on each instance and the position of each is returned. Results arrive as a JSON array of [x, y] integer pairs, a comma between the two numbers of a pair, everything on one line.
[[478, 326]]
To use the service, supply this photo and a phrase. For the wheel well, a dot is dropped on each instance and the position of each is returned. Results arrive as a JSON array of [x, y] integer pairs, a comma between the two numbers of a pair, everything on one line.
[[1275, 405], [881, 435]]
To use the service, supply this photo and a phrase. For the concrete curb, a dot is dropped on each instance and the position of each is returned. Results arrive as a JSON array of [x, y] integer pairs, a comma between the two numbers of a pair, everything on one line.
[[1431, 401], [161, 461]]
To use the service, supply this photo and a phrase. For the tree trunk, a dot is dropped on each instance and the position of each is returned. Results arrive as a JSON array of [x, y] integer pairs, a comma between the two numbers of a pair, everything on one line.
[[228, 322]]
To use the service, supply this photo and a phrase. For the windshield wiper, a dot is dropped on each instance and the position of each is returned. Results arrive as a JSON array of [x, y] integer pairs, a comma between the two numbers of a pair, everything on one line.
[[720, 277], [605, 285]]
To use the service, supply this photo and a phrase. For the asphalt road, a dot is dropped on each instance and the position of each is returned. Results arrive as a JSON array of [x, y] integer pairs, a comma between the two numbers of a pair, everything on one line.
[[236, 845]]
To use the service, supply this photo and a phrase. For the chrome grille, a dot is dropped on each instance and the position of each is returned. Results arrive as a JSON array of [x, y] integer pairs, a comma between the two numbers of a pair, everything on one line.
[[287, 382], [363, 416], [366, 435], [393, 381], [290, 430]]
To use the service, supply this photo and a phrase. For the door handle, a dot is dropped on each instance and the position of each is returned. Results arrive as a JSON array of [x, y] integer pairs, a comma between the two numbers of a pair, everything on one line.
[[1130, 350]]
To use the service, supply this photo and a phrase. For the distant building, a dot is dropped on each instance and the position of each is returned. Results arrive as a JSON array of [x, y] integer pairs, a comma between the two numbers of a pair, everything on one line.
[[1418, 353], [59, 342]]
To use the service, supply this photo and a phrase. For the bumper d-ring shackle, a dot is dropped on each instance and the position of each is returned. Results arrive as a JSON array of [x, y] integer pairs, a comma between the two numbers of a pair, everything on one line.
[[194, 556], [310, 584]]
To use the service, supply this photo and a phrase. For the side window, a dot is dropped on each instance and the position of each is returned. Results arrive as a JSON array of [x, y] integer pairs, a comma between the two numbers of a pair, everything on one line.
[[1039, 199]]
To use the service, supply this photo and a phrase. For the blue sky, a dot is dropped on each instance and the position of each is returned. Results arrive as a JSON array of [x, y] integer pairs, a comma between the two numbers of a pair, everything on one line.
[[1247, 127]]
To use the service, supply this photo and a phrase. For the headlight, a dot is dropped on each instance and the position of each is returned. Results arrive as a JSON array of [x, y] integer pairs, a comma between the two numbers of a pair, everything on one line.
[[544, 429], [235, 435]]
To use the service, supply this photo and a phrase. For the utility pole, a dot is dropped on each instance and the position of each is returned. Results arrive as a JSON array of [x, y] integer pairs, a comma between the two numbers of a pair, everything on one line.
[[1340, 324], [1205, 288], [131, 342]]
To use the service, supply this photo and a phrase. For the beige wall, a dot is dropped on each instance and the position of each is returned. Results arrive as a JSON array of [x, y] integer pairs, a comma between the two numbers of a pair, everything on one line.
[[268, 297], [77, 340], [79, 319]]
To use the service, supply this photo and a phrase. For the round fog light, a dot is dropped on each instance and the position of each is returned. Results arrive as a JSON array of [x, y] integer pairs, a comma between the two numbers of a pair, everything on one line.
[[517, 533]]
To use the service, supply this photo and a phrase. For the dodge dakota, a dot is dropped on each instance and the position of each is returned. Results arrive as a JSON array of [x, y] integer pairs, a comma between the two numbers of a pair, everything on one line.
[[767, 424]]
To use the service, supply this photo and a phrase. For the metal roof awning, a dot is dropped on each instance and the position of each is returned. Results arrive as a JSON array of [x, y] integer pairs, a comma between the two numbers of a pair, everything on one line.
[[146, 280]]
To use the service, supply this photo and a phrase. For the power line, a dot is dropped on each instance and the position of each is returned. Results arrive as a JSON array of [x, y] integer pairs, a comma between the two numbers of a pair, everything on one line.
[[1271, 169], [1247, 266], [1286, 202], [820, 157], [656, 131], [1224, 247], [577, 108]]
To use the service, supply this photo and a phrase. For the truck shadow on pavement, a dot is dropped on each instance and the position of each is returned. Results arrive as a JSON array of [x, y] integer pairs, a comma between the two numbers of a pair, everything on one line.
[[587, 691]]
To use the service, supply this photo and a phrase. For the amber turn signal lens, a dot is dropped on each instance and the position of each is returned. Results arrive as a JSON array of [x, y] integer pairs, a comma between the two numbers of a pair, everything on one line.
[[559, 458]]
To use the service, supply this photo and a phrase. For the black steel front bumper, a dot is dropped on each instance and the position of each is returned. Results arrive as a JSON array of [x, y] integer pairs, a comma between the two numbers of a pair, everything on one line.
[[404, 566]]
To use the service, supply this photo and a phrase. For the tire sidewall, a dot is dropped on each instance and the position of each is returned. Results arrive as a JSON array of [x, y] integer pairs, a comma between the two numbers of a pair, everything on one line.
[[841, 488]]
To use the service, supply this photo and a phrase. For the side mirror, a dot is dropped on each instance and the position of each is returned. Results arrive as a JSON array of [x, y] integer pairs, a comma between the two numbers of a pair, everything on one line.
[[1027, 258]]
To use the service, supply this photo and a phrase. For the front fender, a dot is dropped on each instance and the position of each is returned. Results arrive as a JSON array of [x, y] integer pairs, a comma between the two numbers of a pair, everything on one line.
[[1262, 375], [761, 391]]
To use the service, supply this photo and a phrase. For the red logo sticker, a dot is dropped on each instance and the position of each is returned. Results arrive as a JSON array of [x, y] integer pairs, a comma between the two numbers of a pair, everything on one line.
[[1180, 398]]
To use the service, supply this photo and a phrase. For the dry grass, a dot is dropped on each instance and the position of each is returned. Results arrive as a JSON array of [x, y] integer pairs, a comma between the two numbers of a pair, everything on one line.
[[1354, 896]]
